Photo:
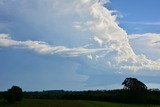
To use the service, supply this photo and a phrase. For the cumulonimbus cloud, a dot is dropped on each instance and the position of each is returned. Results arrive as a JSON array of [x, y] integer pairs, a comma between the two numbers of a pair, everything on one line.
[[109, 42]]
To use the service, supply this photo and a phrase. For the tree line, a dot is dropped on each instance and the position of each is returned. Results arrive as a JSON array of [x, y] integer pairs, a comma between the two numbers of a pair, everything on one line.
[[134, 91]]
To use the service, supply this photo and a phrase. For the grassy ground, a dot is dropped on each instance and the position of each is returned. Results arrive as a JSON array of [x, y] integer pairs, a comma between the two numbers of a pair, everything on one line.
[[69, 103]]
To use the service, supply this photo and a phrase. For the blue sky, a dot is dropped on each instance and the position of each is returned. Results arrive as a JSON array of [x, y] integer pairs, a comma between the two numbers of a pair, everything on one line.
[[78, 44], [138, 16]]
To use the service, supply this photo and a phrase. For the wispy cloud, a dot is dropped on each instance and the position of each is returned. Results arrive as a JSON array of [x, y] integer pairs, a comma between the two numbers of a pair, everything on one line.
[[142, 23], [44, 48], [148, 43], [149, 39]]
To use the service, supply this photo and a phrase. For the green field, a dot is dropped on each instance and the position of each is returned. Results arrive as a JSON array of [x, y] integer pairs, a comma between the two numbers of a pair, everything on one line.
[[69, 103]]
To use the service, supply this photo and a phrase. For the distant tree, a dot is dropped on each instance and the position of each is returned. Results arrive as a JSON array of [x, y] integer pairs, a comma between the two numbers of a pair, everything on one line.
[[14, 94], [134, 84]]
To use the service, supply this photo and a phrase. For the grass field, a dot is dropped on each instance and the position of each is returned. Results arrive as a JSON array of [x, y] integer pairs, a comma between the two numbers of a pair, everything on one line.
[[69, 103]]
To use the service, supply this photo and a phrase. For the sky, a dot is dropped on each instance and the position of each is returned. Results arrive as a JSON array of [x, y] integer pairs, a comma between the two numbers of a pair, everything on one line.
[[78, 44]]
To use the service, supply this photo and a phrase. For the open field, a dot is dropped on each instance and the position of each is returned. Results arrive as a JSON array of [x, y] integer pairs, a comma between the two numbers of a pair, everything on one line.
[[69, 103]]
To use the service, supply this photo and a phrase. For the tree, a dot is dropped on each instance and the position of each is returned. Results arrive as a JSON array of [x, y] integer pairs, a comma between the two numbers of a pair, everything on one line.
[[14, 94], [135, 90], [134, 84]]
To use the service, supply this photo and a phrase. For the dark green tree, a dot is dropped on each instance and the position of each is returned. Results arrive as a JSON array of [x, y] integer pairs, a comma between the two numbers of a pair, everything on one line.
[[14, 94], [134, 84], [136, 91]]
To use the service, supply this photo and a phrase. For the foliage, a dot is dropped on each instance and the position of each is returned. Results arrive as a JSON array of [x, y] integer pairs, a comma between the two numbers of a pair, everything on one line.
[[14, 94], [134, 91], [134, 84], [121, 95]]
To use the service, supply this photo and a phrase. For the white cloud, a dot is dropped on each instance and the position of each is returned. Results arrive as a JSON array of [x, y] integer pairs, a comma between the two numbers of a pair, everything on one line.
[[44, 48], [6, 41], [91, 20], [117, 13], [148, 39], [147, 44], [112, 37], [98, 40]]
